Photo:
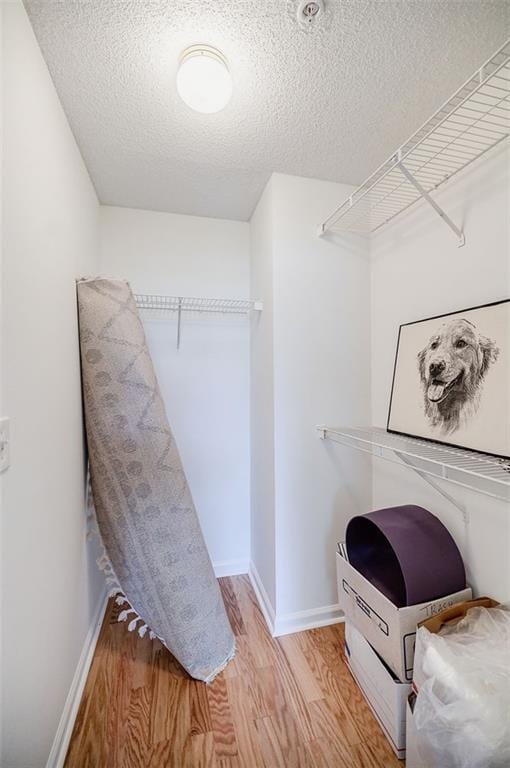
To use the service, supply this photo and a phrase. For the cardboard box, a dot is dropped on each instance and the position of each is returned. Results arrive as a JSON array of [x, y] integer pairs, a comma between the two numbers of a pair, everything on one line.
[[385, 694], [413, 757], [448, 616], [390, 630]]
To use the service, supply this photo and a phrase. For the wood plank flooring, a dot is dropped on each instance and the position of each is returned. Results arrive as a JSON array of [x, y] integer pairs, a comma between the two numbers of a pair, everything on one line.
[[288, 702]]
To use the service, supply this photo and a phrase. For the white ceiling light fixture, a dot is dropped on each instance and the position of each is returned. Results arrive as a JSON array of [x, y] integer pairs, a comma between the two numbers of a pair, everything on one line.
[[203, 79]]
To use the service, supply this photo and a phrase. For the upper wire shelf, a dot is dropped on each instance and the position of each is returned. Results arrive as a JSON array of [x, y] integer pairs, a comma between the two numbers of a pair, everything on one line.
[[469, 124], [157, 303], [154, 301], [476, 471]]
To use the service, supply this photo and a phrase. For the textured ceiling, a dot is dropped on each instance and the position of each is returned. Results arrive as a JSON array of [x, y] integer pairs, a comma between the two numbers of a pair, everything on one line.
[[331, 103]]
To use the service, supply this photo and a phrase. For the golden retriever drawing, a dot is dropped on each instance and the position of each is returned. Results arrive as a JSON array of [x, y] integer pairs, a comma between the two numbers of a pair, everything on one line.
[[452, 368]]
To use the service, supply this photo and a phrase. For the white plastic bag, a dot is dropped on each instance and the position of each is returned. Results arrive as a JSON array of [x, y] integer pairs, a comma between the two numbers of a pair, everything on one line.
[[462, 712]]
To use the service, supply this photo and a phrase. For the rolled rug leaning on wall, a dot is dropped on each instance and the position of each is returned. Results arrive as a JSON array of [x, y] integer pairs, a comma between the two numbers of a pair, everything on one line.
[[148, 524]]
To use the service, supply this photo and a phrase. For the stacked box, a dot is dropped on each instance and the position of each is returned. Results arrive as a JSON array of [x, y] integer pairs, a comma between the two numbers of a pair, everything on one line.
[[384, 692], [383, 636]]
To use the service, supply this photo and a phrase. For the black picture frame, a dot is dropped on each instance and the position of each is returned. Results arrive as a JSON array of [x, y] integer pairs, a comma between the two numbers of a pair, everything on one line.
[[435, 439]]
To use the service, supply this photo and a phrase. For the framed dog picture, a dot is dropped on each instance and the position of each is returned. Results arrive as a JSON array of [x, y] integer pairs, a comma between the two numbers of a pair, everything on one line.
[[451, 381]]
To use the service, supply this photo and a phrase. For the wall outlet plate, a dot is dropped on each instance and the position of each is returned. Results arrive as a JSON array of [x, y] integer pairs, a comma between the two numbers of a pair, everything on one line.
[[4, 444]]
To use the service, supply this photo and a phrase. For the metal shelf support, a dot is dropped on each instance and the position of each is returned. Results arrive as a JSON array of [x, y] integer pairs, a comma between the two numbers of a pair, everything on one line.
[[425, 195], [179, 317], [436, 486]]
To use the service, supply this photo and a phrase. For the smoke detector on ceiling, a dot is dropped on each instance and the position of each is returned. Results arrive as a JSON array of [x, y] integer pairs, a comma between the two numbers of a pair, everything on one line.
[[309, 13]]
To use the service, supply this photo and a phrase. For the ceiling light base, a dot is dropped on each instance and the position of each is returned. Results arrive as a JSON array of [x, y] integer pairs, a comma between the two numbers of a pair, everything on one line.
[[203, 50]]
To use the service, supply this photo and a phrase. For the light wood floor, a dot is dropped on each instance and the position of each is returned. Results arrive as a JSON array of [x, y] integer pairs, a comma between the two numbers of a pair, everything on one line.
[[287, 702]]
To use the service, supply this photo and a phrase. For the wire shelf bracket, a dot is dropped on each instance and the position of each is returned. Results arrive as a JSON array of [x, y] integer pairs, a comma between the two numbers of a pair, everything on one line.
[[473, 121], [432, 461], [156, 303], [425, 195]]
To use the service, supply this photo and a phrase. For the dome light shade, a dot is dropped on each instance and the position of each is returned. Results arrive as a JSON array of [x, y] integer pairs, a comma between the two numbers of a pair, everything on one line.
[[203, 79]]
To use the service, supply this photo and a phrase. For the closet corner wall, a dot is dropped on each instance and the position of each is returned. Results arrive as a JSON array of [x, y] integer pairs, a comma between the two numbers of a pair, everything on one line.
[[310, 361], [204, 383]]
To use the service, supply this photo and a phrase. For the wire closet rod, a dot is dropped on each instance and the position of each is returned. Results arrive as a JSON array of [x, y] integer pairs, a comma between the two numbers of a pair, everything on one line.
[[153, 301], [160, 303]]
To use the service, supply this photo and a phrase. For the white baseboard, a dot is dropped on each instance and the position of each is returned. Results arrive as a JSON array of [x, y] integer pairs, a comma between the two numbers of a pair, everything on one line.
[[262, 598], [230, 567], [65, 727], [285, 624]]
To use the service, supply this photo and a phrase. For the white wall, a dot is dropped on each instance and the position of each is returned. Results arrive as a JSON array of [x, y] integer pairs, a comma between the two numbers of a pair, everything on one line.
[[50, 585], [320, 370], [418, 272], [205, 384], [263, 524], [1, 343], [322, 376]]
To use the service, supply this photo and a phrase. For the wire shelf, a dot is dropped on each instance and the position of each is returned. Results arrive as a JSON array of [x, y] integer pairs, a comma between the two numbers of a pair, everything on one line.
[[155, 302], [476, 471], [475, 119]]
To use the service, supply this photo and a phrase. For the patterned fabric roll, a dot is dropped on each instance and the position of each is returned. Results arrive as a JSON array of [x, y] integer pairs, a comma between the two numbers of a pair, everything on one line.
[[144, 508]]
